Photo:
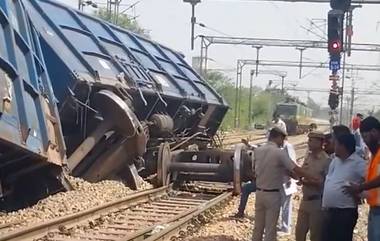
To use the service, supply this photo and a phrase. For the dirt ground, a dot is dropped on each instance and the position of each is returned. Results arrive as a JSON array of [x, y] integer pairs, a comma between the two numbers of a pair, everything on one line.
[[227, 228]]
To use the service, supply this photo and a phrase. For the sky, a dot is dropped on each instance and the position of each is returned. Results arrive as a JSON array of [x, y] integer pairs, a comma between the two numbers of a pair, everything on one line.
[[169, 23]]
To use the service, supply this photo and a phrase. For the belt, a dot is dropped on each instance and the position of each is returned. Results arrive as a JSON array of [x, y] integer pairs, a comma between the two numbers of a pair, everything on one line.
[[267, 190], [312, 198]]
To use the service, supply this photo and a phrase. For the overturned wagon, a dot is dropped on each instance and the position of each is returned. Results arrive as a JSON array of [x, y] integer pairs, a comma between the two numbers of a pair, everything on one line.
[[32, 149], [120, 95]]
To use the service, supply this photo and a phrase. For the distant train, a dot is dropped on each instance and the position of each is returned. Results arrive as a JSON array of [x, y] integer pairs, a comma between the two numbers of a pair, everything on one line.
[[297, 117]]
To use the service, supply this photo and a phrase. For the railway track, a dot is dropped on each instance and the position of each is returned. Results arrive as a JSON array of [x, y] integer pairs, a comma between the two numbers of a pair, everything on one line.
[[147, 215], [233, 138], [156, 214], [258, 137]]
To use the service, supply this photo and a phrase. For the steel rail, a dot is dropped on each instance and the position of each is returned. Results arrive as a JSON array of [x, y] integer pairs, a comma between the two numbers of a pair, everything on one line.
[[181, 223], [40, 229], [171, 210]]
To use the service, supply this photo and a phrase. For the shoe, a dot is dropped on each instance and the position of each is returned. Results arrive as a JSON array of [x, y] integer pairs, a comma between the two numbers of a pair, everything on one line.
[[239, 215]]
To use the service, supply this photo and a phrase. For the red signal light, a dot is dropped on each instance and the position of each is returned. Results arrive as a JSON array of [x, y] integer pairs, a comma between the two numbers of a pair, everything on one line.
[[335, 46]]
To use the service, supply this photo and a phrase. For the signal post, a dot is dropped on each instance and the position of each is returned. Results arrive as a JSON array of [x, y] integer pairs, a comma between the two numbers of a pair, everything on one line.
[[335, 46]]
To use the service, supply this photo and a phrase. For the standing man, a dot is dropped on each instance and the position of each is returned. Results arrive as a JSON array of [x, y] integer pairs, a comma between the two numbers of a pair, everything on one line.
[[310, 215], [340, 208], [271, 165], [370, 131]]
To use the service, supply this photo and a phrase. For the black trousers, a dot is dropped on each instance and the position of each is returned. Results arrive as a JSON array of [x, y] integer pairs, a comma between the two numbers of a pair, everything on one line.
[[339, 224]]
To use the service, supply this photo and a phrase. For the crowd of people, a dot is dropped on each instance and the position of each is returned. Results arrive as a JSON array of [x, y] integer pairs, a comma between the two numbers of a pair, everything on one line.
[[340, 171]]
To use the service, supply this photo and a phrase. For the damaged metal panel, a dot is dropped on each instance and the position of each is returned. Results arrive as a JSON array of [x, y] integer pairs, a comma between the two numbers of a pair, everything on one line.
[[30, 130], [82, 48], [164, 97]]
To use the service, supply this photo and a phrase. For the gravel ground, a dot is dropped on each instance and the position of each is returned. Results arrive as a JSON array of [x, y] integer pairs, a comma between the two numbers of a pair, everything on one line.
[[84, 196], [227, 228]]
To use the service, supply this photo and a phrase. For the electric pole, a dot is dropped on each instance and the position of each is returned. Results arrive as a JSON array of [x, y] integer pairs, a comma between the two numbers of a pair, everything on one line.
[[301, 49], [83, 3], [193, 19], [342, 87], [348, 101], [258, 47], [352, 96], [113, 10], [352, 101], [250, 99], [282, 85], [347, 48]]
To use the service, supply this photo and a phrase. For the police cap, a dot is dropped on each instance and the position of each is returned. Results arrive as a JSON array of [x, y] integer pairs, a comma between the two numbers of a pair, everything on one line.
[[317, 134]]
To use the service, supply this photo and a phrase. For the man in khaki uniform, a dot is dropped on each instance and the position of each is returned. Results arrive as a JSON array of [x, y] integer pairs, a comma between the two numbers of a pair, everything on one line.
[[310, 215], [271, 165]]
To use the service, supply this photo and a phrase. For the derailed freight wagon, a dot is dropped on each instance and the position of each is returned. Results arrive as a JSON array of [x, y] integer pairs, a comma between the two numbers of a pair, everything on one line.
[[122, 96], [32, 149]]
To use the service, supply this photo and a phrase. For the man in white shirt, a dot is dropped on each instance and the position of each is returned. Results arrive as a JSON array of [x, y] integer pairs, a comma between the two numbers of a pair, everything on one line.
[[289, 188], [341, 209]]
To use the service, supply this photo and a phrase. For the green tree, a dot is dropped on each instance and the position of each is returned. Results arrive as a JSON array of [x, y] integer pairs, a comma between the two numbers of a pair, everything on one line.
[[123, 21], [224, 86], [263, 106]]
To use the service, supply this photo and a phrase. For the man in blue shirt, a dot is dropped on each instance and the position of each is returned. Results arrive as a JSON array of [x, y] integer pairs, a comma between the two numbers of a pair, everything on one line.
[[360, 147], [341, 209]]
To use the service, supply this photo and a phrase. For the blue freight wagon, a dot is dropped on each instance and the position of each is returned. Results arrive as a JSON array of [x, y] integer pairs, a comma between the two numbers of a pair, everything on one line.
[[32, 148], [120, 95]]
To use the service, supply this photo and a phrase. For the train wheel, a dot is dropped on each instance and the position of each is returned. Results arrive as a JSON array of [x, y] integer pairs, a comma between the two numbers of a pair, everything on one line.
[[163, 161], [237, 167]]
